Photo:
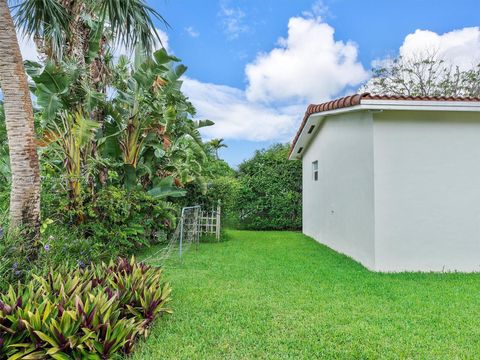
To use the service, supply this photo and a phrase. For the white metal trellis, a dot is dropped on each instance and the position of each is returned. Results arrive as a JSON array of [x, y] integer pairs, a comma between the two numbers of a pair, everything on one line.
[[210, 222]]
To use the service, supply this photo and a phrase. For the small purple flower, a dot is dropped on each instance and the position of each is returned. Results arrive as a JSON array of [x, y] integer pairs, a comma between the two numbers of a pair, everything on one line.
[[46, 247], [17, 272], [15, 265], [80, 264]]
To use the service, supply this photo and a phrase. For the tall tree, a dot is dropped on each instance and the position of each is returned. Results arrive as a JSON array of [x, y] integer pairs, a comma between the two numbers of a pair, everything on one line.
[[424, 74], [217, 144], [83, 31], [80, 29], [25, 170]]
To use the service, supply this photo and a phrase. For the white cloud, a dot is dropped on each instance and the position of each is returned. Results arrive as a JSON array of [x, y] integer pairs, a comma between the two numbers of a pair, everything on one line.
[[237, 118], [232, 21], [308, 65], [192, 32], [459, 47]]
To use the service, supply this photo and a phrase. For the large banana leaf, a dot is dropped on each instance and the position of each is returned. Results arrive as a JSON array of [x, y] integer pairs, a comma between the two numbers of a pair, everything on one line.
[[49, 101], [146, 73], [52, 84], [53, 77], [165, 188], [83, 129]]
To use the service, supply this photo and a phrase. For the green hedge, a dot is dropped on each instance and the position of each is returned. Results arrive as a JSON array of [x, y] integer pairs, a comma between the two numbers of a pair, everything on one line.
[[270, 191]]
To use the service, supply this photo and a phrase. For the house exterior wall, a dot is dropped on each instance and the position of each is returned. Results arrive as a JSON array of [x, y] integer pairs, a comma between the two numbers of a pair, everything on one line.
[[338, 209], [427, 191]]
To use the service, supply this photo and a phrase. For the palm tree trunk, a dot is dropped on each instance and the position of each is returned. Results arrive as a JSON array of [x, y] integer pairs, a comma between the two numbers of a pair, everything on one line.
[[25, 193]]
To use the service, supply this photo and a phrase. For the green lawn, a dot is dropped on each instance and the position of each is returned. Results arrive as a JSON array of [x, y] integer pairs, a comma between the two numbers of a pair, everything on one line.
[[281, 295]]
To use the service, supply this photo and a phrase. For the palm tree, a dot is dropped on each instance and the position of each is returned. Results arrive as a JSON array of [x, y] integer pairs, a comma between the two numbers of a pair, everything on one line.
[[67, 27], [216, 145], [81, 31], [25, 170]]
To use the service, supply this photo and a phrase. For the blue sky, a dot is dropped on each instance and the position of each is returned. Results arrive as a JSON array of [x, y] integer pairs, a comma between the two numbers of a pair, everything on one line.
[[253, 66], [378, 28]]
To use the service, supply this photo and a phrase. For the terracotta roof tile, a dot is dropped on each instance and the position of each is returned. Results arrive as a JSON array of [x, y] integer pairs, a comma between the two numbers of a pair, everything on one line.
[[356, 99]]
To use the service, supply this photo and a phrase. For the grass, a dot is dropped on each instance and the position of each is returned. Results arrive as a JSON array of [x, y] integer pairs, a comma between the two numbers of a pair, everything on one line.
[[280, 295]]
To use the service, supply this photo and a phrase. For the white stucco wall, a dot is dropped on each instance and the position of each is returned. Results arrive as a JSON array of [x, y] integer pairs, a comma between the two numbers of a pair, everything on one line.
[[338, 208], [427, 191]]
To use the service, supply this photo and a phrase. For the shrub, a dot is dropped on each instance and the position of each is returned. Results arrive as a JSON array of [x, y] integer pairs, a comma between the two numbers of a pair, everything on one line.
[[270, 193], [125, 219], [221, 189], [15, 257], [116, 221], [88, 313], [67, 246], [58, 245]]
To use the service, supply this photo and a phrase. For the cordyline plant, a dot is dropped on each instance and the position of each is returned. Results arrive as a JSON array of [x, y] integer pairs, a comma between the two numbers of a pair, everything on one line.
[[90, 313]]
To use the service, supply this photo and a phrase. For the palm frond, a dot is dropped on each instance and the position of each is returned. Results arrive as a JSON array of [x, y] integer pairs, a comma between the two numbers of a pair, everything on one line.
[[131, 22], [44, 19]]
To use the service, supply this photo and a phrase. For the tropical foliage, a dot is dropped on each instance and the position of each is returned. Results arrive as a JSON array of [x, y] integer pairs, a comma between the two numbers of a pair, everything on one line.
[[146, 147], [88, 313], [87, 32], [215, 145], [118, 152]]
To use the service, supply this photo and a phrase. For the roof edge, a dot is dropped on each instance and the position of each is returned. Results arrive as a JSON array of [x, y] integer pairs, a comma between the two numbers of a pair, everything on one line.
[[356, 99]]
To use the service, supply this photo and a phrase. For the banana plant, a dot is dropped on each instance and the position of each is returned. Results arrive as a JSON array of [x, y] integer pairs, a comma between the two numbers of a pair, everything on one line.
[[150, 117], [57, 88], [132, 113], [164, 188], [71, 140]]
